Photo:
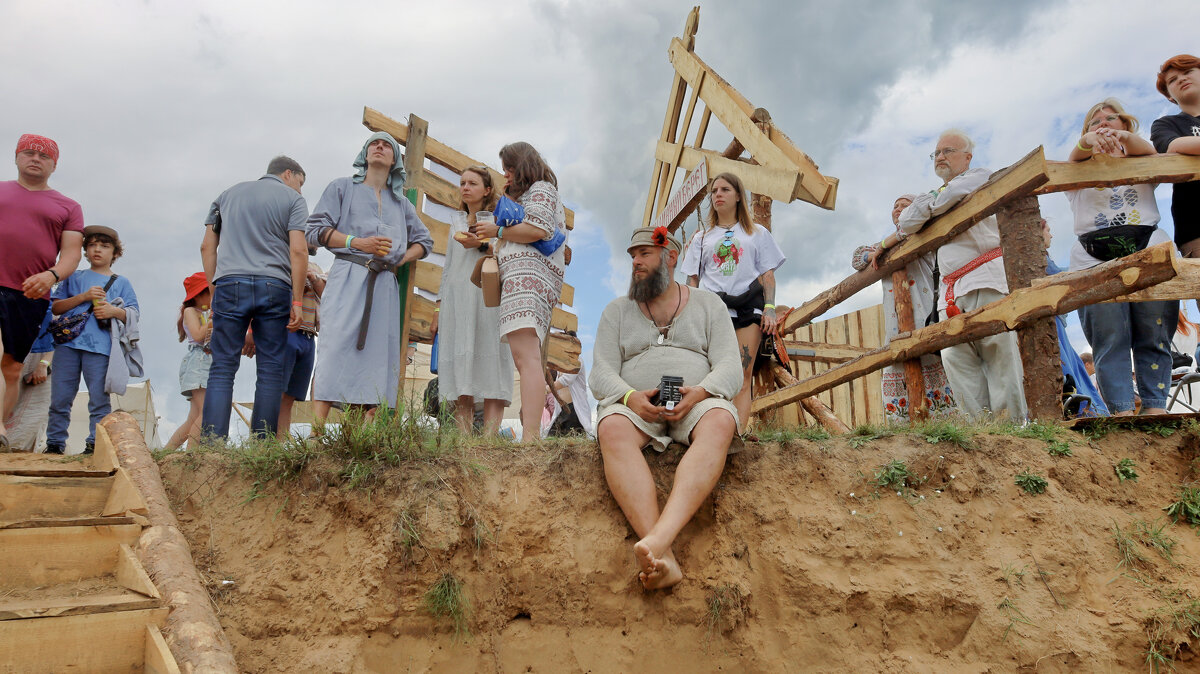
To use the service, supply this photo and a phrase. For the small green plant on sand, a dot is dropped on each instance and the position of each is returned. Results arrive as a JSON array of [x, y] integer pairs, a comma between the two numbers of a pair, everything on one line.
[[1186, 506], [1008, 608], [866, 433], [1126, 469], [1163, 429], [407, 533], [1013, 576], [945, 430], [1128, 549], [446, 599], [1176, 621], [782, 435], [1032, 483], [721, 600], [1058, 448], [892, 475]]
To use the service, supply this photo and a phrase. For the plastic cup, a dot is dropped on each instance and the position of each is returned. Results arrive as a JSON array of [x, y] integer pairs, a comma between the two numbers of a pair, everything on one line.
[[485, 218]]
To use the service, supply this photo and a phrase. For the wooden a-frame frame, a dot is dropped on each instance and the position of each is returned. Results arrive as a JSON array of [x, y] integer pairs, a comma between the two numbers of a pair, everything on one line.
[[776, 169]]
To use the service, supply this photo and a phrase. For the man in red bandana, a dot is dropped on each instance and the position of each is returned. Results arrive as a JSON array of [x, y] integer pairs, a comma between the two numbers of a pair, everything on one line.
[[47, 228]]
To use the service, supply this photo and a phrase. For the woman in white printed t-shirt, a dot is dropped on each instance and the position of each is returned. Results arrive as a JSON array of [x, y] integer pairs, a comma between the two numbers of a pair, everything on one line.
[[737, 259], [1111, 222]]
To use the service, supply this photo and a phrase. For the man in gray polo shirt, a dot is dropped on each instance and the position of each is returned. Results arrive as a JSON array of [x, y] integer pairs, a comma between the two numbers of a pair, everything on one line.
[[255, 257]]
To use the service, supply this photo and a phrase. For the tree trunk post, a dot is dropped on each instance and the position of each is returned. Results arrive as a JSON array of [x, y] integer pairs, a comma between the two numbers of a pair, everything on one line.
[[914, 380], [1020, 224]]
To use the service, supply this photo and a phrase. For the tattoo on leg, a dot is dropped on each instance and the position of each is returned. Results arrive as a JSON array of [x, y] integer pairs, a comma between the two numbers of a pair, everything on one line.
[[745, 357]]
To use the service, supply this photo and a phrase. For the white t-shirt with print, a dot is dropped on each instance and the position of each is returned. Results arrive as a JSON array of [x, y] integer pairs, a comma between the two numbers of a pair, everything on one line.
[[728, 260], [1099, 207]]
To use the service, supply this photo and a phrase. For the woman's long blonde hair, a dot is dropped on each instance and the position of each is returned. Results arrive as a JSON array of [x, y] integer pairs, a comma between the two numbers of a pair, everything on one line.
[[743, 209]]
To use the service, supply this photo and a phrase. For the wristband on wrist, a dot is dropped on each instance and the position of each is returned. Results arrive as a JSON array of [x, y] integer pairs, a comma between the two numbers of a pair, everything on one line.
[[500, 232], [349, 238], [436, 309], [769, 306], [625, 400], [43, 362], [56, 276], [1079, 144], [883, 243], [297, 304]]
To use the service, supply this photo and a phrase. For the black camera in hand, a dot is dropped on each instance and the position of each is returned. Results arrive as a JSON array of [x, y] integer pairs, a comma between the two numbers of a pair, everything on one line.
[[668, 392]]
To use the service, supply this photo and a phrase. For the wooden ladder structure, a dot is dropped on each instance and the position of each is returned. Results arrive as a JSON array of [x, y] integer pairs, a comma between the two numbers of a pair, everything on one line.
[[73, 595]]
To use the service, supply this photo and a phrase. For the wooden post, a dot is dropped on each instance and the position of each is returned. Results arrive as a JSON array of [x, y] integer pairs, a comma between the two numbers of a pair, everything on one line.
[[914, 380], [1020, 222], [414, 165], [193, 630]]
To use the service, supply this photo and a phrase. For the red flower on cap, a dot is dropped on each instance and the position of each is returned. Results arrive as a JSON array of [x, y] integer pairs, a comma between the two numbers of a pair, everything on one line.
[[659, 237]]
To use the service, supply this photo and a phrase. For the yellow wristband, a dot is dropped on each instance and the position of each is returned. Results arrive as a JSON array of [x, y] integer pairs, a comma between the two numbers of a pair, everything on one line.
[[44, 363], [625, 400], [768, 306], [1079, 144]]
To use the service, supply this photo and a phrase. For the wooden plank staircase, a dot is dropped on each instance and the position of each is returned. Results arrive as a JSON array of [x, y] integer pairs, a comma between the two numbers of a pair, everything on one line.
[[73, 595]]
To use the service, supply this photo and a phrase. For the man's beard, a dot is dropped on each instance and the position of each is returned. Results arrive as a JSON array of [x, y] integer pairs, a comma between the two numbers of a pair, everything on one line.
[[655, 284]]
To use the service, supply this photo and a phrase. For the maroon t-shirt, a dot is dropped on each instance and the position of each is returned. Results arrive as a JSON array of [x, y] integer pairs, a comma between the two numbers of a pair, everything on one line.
[[31, 227]]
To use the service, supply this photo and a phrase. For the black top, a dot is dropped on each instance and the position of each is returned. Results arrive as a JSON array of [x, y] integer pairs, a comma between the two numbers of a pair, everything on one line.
[[1185, 204]]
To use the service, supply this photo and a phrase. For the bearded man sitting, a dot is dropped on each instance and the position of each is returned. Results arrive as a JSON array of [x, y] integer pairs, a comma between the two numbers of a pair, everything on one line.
[[663, 328]]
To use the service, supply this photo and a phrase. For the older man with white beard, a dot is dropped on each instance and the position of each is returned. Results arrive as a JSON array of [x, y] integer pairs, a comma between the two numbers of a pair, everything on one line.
[[663, 328], [986, 374]]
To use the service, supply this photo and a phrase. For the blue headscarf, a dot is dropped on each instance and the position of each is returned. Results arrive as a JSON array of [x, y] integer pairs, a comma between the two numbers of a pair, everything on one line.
[[395, 179]]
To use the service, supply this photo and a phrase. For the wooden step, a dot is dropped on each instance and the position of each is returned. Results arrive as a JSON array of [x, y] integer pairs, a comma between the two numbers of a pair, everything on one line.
[[102, 462], [57, 501], [98, 643], [54, 555], [119, 585]]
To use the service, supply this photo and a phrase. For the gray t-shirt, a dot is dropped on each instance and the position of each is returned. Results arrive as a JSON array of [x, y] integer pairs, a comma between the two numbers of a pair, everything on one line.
[[253, 220]]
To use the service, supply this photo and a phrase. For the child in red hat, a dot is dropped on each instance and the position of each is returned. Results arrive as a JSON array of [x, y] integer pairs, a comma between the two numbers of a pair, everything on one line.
[[195, 327]]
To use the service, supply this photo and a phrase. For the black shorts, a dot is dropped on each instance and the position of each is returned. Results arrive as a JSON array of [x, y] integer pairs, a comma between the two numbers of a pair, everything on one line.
[[740, 322], [20, 320]]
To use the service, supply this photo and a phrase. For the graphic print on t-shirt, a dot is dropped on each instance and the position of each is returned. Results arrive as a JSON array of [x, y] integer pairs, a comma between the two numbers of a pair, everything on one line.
[[1118, 199], [728, 255]]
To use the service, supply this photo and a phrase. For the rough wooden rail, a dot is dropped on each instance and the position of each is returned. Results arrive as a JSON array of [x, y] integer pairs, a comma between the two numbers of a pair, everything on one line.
[[1020, 179], [192, 630], [1059, 294]]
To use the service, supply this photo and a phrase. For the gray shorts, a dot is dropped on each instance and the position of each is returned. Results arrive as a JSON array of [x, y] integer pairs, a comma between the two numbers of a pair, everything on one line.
[[193, 371], [663, 433]]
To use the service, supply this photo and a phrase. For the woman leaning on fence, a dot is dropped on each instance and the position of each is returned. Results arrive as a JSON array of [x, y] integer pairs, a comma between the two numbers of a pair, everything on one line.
[[1111, 222], [736, 259], [923, 291]]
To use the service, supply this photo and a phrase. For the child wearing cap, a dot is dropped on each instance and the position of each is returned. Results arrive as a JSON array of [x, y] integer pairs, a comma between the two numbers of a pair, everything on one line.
[[195, 327], [87, 354]]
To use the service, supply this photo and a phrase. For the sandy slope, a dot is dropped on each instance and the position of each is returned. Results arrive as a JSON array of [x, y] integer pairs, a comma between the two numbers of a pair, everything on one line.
[[815, 579]]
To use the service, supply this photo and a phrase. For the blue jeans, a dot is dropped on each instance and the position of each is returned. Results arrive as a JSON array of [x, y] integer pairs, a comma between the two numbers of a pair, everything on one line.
[[263, 304], [64, 384], [1144, 328], [298, 363]]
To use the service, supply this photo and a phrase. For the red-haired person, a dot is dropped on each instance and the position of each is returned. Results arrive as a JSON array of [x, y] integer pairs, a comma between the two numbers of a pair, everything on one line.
[[1179, 81]]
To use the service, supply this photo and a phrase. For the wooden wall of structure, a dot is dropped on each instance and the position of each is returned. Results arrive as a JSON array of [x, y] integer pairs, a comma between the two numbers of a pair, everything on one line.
[[859, 401]]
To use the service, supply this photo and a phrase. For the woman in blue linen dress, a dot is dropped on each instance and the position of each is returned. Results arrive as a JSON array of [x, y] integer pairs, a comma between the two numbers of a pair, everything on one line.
[[362, 218]]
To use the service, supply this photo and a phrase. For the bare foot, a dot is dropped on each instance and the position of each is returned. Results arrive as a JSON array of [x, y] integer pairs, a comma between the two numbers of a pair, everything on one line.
[[656, 572]]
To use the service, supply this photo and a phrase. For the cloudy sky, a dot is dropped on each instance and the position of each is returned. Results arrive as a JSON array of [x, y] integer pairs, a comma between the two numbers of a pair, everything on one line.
[[159, 106]]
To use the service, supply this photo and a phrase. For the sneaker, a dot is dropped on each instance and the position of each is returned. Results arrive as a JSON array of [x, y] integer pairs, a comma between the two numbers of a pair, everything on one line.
[[54, 449], [89, 447]]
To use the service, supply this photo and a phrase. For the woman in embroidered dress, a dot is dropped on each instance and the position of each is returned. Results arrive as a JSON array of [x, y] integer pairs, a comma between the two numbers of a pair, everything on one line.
[[530, 282], [737, 259], [1126, 216], [938, 395], [472, 363]]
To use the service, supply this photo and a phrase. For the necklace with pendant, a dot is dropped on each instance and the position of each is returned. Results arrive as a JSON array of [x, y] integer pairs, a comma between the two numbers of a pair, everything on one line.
[[663, 329]]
